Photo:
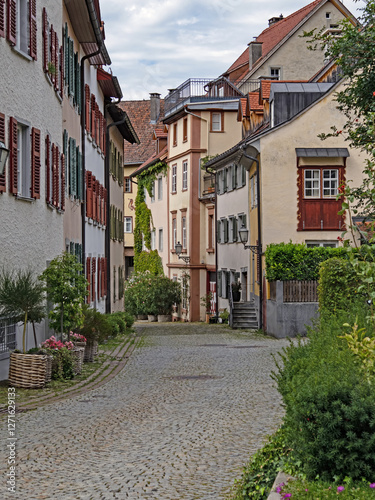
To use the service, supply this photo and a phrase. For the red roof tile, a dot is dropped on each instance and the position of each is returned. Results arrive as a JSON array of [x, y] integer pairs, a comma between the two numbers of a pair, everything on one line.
[[160, 132], [156, 156], [254, 103], [140, 117], [243, 103], [274, 34]]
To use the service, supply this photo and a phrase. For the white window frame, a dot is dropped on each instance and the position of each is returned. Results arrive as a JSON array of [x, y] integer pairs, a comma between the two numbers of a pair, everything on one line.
[[330, 183], [183, 232], [160, 188], [174, 232], [128, 224], [174, 178], [325, 244], [216, 121], [185, 175], [311, 183], [161, 243], [275, 71], [23, 26], [128, 185], [153, 239], [23, 160], [254, 191]]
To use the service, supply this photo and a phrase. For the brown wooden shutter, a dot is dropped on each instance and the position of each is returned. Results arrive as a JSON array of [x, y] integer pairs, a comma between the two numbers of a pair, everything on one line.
[[99, 277], [62, 71], [89, 194], [62, 194], [103, 276], [94, 197], [92, 116], [87, 107], [105, 206], [52, 73], [2, 139], [48, 169], [104, 135], [45, 40], [33, 29], [56, 61], [35, 163], [93, 268], [2, 18], [98, 201], [12, 21], [13, 160], [88, 277]]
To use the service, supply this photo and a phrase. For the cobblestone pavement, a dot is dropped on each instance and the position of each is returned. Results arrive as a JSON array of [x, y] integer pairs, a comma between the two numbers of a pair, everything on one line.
[[178, 423]]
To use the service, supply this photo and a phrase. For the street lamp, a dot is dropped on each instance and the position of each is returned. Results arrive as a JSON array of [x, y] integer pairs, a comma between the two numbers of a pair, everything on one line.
[[178, 250], [4, 152], [244, 236]]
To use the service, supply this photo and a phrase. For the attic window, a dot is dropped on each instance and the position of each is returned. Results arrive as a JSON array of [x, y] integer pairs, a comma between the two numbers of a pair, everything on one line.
[[328, 15], [275, 73]]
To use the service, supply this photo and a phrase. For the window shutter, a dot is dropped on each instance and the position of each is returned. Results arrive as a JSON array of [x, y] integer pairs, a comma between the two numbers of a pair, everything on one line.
[[66, 55], [92, 115], [33, 29], [219, 284], [48, 169], [235, 229], [87, 107], [104, 136], [62, 72], [52, 73], [71, 67], [88, 277], [89, 194], [93, 191], [218, 231], [45, 40], [2, 139], [35, 163], [12, 21], [105, 206], [56, 61], [77, 70], [2, 18], [65, 153], [62, 190], [57, 176], [93, 267], [71, 248], [79, 175], [13, 160], [99, 277], [227, 283], [225, 222]]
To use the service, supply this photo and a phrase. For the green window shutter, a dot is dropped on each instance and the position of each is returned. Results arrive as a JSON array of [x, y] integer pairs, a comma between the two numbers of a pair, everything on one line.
[[71, 248], [71, 67], [218, 231], [234, 176], [71, 163], [243, 176], [78, 86], [227, 282], [114, 283], [79, 176], [78, 181], [225, 222], [235, 229], [66, 54], [74, 168], [65, 152], [225, 183], [121, 176], [219, 283]]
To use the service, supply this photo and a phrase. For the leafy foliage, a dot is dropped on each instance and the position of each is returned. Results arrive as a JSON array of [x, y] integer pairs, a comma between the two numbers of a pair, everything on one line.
[[150, 261], [22, 298], [66, 288], [338, 283], [290, 261]]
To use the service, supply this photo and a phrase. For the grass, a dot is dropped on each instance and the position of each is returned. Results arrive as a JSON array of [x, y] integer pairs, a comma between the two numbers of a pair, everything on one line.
[[309, 490], [59, 387]]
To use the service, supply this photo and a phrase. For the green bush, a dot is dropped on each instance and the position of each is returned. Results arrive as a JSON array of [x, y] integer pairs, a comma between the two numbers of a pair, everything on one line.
[[289, 261], [95, 325], [149, 261], [330, 408], [338, 283], [62, 364]]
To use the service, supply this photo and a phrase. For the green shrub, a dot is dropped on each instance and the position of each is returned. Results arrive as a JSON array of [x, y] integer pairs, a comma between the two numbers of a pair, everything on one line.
[[120, 320], [95, 325], [338, 283], [289, 261], [330, 408], [62, 364], [149, 261], [129, 319]]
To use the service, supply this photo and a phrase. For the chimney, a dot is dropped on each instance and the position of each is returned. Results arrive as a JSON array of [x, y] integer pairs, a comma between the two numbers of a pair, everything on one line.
[[274, 20], [154, 107], [255, 52]]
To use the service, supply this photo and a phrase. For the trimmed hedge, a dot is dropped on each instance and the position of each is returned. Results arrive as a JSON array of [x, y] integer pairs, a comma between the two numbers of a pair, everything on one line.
[[338, 283], [290, 261]]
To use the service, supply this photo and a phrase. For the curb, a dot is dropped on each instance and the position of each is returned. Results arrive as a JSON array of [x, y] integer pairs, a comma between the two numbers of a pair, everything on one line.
[[280, 478]]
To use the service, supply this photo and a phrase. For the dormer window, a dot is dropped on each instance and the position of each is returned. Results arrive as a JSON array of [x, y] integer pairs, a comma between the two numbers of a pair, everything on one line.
[[275, 73]]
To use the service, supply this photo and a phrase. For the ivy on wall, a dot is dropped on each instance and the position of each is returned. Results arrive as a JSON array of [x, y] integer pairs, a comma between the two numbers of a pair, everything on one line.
[[146, 260]]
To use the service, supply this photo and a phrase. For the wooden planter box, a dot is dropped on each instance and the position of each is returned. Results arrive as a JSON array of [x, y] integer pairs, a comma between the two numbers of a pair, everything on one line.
[[27, 371]]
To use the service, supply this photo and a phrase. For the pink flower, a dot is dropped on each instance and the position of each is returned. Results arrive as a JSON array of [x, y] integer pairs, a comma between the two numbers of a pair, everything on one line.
[[372, 485], [340, 488]]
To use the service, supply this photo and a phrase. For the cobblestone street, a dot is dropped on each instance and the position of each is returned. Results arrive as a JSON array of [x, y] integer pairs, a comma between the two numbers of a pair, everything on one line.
[[177, 423]]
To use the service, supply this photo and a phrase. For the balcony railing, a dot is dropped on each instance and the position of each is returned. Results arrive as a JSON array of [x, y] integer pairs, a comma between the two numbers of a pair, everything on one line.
[[200, 89]]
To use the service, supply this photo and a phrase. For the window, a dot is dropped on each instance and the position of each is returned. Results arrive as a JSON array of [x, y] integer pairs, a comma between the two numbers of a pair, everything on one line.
[[128, 224], [211, 229], [152, 192], [183, 232], [241, 222], [315, 179], [128, 185], [22, 26], [275, 73], [23, 162], [160, 188], [217, 119], [185, 129], [153, 239], [254, 191], [329, 244], [174, 179], [184, 175], [175, 134], [232, 229], [223, 227], [161, 246], [174, 231]]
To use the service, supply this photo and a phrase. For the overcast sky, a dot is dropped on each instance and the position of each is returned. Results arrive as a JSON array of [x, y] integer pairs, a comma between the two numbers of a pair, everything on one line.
[[155, 45]]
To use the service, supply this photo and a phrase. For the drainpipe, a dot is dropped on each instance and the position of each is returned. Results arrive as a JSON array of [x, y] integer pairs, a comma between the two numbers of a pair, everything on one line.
[[83, 148], [259, 246], [107, 186]]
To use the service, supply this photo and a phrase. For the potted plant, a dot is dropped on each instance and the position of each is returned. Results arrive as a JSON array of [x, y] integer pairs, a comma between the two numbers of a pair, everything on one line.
[[206, 303], [236, 291], [166, 293]]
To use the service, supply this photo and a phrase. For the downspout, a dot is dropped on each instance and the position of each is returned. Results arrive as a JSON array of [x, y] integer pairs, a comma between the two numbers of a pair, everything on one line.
[[259, 249], [216, 245], [83, 148], [107, 186]]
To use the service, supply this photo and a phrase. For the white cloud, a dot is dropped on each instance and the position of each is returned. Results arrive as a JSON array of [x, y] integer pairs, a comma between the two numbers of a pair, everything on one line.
[[158, 44]]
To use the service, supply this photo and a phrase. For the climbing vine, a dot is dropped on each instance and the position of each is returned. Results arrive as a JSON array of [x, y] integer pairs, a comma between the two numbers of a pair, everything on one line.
[[146, 260]]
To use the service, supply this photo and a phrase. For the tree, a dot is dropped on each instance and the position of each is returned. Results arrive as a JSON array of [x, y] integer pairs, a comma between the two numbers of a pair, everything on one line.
[[66, 288], [22, 298]]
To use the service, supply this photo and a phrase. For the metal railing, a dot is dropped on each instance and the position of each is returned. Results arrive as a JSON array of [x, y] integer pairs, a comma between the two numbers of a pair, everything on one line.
[[7, 334], [200, 89]]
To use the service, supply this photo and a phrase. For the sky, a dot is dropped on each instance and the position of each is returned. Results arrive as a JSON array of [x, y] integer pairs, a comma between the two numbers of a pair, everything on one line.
[[156, 45]]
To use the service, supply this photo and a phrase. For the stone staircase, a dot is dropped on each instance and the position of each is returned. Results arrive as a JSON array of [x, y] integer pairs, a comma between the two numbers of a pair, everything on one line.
[[244, 315]]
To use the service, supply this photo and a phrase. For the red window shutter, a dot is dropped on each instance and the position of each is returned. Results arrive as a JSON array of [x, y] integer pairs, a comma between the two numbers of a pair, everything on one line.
[[55, 176], [2, 18], [2, 139], [89, 194], [62, 71], [87, 107], [62, 194], [45, 40], [93, 108], [99, 277], [105, 206], [35, 163], [98, 201], [105, 275], [101, 205], [12, 21], [93, 267], [33, 29], [13, 160], [97, 127], [88, 277], [48, 170], [93, 197], [53, 51], [104, 135], [56, 61]]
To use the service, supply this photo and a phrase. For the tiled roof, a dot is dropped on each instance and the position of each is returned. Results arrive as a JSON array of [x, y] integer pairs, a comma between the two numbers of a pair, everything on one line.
[[140, 117], [150, 161], [274, 34], [243, 103], [161, 132], [254, 103]]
